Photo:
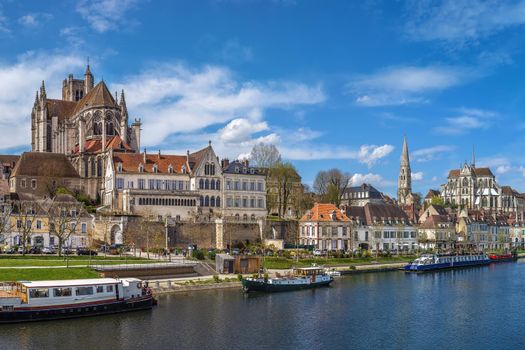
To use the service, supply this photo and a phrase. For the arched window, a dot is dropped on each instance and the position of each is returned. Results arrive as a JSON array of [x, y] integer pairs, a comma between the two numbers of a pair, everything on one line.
[[253, 217], [245, 217], [206, 184], [99, 167], [218, 202], [218, 185], [111, 129], [207, 201], [212, 184], [212, 169], [201, 201], [170, 169], [212, 201], [201, 183]]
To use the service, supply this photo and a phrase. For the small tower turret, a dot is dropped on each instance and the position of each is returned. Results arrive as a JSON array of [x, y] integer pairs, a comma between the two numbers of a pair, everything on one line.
[[88, 80]]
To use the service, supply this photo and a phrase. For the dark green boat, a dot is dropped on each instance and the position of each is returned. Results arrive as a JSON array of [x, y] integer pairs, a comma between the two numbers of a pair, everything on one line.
[[303, 278]]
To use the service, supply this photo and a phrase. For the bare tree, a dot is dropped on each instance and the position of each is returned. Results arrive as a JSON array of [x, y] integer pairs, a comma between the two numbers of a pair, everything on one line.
[[25, 213], [285, 177], [302, 200], [64, 215], [331, 185], [5, 221], [265, 155]]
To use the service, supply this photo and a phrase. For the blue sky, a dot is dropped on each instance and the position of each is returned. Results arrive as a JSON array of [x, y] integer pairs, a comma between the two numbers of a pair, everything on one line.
[[331, 83]]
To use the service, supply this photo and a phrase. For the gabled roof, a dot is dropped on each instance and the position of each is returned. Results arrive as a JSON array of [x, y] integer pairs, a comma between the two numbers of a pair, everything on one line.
[[372, 191], [432, 193], [98, 96], [55, 165], [323, 212], [434, 221], [131, 161], [60, 108], [477, 172], [377, 211], [196, 158]]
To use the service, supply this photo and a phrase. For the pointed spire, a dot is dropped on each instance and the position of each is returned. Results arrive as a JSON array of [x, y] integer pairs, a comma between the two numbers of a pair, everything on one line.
[[473, 157], [116, 97], [43, 89], [123, 107], [405, 160]]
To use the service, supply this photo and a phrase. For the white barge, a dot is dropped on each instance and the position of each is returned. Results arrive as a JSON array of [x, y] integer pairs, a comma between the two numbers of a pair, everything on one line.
[[46, 300]]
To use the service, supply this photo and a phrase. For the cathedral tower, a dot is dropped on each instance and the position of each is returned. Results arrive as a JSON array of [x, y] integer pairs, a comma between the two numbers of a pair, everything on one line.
[[404, 184]]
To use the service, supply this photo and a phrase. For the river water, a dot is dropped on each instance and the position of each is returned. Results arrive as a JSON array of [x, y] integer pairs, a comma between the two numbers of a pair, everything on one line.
[[477, 308]]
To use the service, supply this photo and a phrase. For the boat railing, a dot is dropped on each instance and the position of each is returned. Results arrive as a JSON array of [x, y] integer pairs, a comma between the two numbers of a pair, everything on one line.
[[141, 266]]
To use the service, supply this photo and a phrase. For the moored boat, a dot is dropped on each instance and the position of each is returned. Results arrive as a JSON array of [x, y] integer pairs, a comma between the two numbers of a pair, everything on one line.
[[430, 262], [302, 278], [503, 257], [47, 300]]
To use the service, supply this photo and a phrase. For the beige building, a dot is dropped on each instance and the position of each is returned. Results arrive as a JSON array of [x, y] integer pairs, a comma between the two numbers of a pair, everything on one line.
[[326, 228], [244, 191], [40, 174], [150, 184]]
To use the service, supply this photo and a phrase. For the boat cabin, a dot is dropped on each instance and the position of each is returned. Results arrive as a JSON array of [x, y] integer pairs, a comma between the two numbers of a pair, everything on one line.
[[309, 271], [44, 293]]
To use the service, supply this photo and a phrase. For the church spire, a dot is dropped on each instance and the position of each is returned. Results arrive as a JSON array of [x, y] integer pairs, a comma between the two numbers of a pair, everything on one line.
[[404, 184], [89, 81], [473, 157]]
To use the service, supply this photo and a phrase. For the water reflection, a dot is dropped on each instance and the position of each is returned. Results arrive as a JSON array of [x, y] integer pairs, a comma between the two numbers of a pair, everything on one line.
[[457, 309]]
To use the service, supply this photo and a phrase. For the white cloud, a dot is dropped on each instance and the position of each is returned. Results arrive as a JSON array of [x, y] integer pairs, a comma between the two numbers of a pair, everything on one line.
[[370, 178], [470, 119], [417, 176], [240, 129], [176, 99], [462, 22], [105, 15], [430, 153], [34, 19], [18, 82], [370, 154], [405, 85], [234, 51]]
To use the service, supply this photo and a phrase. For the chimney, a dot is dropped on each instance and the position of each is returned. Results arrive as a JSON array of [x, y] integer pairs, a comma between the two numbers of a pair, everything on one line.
[[145, 156], [159, 154], [225, 162], [245, 162], [188, 156]]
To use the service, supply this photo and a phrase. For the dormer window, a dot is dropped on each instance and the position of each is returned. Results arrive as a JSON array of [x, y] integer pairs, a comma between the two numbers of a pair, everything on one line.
[[236, 169], [184, 169], [119, 167], [170, 169], [141, 168], [155, 168]]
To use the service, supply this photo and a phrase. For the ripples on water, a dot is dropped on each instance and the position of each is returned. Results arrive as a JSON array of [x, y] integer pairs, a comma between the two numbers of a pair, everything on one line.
[[478, 308]]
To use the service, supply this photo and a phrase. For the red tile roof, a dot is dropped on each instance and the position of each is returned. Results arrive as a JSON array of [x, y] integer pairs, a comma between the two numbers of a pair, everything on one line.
[[59, 108], [131, 161], [322, 212], [95, 145]]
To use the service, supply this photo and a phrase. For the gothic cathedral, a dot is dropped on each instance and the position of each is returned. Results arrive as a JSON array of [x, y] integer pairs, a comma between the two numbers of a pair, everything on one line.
[[86, 124]]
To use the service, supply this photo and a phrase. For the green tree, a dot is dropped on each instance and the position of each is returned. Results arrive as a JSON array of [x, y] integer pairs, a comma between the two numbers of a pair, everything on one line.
[[437, 200]]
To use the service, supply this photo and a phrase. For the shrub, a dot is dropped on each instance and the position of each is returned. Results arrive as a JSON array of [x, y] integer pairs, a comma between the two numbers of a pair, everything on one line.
[[239, 277], [216, 279], [198, 254], [352, 267], [212, 254]]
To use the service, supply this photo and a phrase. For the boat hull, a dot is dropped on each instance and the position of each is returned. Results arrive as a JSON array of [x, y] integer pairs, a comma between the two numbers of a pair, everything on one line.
[[497, 259], [444, 266], [262, 286], [74, 311]]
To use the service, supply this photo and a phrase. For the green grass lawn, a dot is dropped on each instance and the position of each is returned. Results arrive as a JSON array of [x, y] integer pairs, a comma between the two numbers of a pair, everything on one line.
[[47, 274], [284, 263], [15, 261]]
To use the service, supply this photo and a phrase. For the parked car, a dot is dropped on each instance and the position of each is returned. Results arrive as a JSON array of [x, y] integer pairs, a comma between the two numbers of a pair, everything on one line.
[[35, 250], [67, 251], [86, 251], [21, 250], [48, 250], [9, 250], [317, 252]]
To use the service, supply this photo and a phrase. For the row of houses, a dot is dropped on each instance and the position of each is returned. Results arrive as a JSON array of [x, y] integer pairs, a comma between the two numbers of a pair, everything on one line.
[[383, 226]]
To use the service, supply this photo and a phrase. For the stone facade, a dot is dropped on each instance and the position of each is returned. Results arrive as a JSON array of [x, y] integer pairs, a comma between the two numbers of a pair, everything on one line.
[[84, 124]]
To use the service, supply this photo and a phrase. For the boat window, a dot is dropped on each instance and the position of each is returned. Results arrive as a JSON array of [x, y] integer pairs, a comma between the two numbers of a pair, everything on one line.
[[109, 289], [100, 289], [62, 292], [39, 293], [84, 290]]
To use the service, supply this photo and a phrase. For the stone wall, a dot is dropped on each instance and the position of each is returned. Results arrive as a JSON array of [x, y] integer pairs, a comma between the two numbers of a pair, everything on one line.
[[285, 230]]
